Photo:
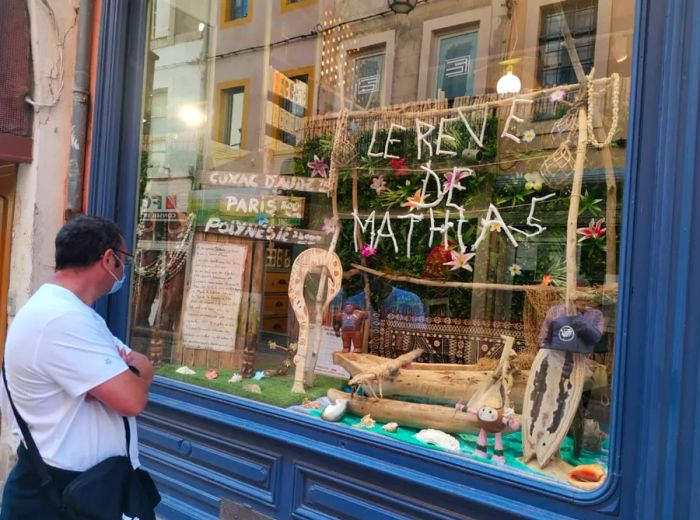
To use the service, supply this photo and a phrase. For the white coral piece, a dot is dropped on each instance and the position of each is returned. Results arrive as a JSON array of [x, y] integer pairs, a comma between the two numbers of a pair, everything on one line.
[[185, 370], [236, 378], [440, 439]]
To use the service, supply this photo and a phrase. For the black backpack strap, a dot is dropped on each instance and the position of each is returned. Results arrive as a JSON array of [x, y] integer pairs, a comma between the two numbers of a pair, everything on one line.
[[127, 431], [34, 456]]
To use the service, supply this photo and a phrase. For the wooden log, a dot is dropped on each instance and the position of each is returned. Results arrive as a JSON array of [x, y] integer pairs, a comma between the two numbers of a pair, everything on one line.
[[412, 415]]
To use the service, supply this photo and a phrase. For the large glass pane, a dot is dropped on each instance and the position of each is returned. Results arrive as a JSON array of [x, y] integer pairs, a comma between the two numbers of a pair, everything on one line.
[[456, 56], [413, 217], [368, 81]]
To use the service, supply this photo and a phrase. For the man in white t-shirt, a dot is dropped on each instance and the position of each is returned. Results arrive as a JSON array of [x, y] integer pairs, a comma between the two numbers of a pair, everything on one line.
[[68, 375]]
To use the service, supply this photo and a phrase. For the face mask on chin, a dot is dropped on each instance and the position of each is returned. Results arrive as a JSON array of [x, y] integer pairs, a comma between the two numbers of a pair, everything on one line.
[[118, 282]]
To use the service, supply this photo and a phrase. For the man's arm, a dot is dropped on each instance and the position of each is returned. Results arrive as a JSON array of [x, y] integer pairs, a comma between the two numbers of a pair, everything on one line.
[[127, 393]]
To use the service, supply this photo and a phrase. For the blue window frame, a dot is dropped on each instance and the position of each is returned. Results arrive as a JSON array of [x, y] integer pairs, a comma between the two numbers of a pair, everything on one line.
[[654, 436]]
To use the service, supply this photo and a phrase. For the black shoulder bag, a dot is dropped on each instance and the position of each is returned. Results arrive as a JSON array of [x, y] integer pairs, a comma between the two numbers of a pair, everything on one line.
[[106, 491]]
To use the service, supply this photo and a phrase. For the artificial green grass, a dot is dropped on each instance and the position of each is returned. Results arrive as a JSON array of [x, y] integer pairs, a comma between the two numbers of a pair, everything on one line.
[[276, 390]]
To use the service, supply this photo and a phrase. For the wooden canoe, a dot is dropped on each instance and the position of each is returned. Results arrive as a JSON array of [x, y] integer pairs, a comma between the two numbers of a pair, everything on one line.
[[442, 383]]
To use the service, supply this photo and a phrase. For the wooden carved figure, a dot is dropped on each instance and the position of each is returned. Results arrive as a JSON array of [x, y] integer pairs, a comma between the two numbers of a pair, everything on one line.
[[350, 321], [493, 419], [305, 262]]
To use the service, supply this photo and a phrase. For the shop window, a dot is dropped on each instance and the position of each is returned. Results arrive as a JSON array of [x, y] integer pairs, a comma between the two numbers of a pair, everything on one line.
[[156, 128], [234, 13], [238, 9], [233, 102], [414, 258], [161, 19], [290, 5], [304, 97], [368, 82], [456, 57], [555, 67]]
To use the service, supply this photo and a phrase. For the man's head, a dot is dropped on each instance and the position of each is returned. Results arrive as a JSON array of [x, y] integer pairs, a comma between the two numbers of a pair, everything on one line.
[[95, 247]]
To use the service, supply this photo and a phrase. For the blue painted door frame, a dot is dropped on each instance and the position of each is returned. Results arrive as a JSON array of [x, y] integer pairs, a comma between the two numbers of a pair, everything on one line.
[[206, 447]]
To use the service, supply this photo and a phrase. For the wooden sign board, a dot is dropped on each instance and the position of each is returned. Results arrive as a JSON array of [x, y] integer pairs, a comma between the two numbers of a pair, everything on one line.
[[264, 180], [213, 302], [283, 234], [278, 206]]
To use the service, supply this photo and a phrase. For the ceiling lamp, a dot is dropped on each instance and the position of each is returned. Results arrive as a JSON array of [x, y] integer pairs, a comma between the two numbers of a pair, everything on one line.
[[509, 82], [402, 6]]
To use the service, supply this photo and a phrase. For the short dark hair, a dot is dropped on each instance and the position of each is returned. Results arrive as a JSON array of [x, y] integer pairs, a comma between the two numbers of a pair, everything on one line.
[[84, 239]]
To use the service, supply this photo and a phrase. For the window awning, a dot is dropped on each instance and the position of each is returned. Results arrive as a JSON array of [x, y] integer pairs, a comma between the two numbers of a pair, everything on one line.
[[15, 83]]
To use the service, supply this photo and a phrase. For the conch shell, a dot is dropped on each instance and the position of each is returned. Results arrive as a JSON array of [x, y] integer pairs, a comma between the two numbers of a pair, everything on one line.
[[334, 412], [390, 427], [587, 476]]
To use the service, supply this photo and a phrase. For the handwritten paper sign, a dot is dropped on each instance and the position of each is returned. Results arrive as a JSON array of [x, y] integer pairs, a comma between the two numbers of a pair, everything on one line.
[[214, 298]]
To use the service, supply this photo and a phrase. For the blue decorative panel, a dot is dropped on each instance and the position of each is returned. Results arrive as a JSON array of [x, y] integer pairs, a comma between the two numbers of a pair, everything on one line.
[[318, 494]]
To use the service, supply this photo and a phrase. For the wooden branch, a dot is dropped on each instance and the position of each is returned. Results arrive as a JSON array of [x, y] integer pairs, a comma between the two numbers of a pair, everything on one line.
[[388, 368], [440, 283], [572, 221], [310, 368], [611, 200]]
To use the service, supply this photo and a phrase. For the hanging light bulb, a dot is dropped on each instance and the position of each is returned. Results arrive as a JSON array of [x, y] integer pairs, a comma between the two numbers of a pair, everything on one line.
[[509, 82]]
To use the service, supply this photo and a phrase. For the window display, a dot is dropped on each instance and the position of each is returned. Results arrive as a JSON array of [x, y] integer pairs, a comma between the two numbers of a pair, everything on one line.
[[343, 215]]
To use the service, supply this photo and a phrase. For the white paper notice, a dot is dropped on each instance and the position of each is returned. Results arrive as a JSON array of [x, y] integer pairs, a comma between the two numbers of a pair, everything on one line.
[[329, 343], [214, 298]]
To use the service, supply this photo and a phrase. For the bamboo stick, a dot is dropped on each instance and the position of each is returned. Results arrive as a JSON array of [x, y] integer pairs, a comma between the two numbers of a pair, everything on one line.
[[572, 221], [310, 369], [448, 111]]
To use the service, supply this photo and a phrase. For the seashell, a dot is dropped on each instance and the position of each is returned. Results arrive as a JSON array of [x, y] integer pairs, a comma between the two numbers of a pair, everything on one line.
[[334, 412], [366, 422], [236, 378], [211, 374], [252, 388], [439, 438], [185, 370], [311, 405], [587, 476], [390, 427]]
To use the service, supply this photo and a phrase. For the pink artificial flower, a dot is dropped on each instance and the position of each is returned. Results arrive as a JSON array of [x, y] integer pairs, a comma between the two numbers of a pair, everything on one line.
[[399, 166], [318, 167], [594, 230], [557, 96], [378, 185], [456, 175], [460, 260], [329, 226], [367, 251]]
